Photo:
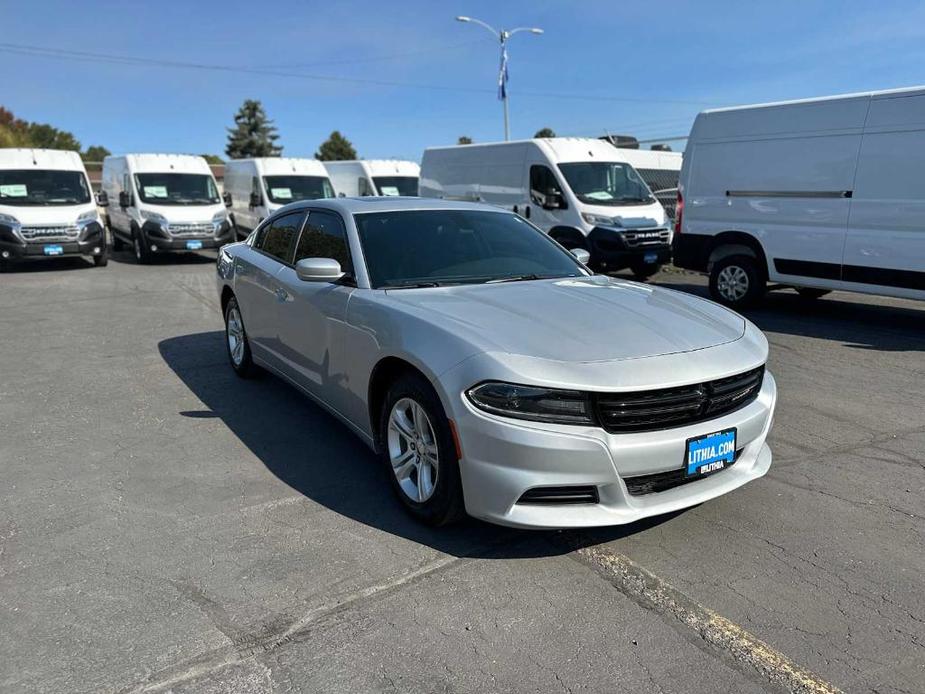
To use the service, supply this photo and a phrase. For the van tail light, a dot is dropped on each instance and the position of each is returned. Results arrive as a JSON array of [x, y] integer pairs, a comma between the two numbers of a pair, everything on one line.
[[678, 213]]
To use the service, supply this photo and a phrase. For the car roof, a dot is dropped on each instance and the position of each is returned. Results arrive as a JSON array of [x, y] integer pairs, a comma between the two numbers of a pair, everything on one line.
[[388, 204]]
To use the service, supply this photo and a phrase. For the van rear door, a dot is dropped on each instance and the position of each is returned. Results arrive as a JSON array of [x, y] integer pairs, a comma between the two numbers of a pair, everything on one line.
[[885, 245]]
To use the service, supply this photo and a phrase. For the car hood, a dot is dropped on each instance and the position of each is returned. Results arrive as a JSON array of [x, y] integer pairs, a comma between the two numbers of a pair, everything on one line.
[[582, 319]]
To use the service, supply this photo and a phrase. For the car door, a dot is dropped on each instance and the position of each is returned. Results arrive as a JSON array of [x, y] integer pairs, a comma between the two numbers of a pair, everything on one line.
[[258, 287], [312, 317]]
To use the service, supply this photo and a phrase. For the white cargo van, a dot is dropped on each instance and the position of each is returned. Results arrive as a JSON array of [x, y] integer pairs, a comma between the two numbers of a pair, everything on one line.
[[660, 170], [374, 177], [259, 187], [47, 207], [817, 195], [164, 203], [582, 192]]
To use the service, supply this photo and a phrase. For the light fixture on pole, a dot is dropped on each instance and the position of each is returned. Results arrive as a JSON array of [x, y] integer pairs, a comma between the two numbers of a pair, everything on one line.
[[502, 37]]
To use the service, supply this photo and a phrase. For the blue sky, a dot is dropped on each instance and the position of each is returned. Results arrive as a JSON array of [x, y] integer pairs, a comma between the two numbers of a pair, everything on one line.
[[643, 68]]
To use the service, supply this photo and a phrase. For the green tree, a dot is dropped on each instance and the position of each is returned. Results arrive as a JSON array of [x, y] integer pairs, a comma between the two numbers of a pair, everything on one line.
[[464, 140], [95, 153], [545, 132], [45, 136], [213, 159], [336, 148], [253, 134]]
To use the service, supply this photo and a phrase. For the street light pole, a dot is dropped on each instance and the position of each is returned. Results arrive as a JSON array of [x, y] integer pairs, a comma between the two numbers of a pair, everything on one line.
[[503, 35]]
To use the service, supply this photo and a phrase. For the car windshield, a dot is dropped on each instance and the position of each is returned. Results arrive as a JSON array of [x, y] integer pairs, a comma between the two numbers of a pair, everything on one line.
[[397, 185], [286, 189], [43, 187], [436, 247], [606, 183], [176, 189]]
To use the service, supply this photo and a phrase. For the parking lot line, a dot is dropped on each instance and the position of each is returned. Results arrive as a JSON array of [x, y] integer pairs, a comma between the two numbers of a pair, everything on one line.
[[653, 592]]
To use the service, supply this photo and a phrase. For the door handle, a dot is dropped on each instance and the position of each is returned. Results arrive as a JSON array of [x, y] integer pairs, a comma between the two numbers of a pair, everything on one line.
[[281, 294]]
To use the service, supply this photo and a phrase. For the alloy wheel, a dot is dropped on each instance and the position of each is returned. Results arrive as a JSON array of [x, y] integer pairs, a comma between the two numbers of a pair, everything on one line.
[[235, 331], [412, 448], [732, 283]]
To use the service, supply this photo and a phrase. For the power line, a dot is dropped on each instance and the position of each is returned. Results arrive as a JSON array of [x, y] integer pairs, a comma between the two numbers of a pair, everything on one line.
[[87, 56]]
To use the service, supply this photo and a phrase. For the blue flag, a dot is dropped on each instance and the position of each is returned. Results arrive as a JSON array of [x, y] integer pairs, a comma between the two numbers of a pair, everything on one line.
[[502, 76]]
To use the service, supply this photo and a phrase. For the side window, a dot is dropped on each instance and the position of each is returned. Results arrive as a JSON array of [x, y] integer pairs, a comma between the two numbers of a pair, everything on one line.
[[278, 237], [126, 184], [542, 183], [363, 186], [324, 236], [255, 189]]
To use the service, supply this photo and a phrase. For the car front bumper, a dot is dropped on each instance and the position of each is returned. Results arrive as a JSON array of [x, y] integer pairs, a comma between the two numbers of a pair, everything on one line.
[[503, 458]]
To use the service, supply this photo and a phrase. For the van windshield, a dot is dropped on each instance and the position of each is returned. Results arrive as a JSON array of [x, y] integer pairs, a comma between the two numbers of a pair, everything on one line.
[[43, 187], [430, 248], [606, 183], [285, 189], [397, 185], [176, 189]]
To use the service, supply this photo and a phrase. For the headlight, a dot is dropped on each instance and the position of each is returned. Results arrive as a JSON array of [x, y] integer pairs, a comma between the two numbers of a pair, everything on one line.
[[87, 217], [10, 220], [220, 217], [536, 404], [155, 217], [596, 219]]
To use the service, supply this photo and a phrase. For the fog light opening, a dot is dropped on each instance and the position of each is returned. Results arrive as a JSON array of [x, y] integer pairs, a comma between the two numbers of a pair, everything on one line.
[[96, 250], [5, 254], [153, 248]]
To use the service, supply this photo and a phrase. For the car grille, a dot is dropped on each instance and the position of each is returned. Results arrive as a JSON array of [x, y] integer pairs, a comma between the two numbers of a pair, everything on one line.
[[663, 481], [38, 234], [640, 238], [203, 229], [652, 410], [560, 495]]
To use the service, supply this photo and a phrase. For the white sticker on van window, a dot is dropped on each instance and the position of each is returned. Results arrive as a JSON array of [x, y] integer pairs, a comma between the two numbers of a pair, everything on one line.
[[281, 193], [155, 191], [14, 190], [389, 190], [599, 195]]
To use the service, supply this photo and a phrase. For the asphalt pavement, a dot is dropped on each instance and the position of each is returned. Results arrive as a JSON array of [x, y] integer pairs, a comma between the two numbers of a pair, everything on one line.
[[166, 526]]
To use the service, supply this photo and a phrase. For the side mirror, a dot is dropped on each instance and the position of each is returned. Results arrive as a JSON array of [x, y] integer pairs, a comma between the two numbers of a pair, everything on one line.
[[226, 198], [102, 199], [318, 270], [552, 200], [581, 255], [125, 199], [256, 200]]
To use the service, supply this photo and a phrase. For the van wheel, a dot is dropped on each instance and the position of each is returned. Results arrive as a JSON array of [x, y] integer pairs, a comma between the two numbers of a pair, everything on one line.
[[736, 281], [643, 271], [419, 454], [142, 254], [101, 260], [117, 243], [812, 292]]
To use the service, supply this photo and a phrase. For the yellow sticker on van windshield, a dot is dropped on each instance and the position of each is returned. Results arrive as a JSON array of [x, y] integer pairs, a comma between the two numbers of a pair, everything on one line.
[[281, 193], [14, 190], [155, 191]]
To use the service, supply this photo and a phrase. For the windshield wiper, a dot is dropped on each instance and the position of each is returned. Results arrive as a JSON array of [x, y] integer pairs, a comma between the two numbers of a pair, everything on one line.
[[410, 285], [524, 278]]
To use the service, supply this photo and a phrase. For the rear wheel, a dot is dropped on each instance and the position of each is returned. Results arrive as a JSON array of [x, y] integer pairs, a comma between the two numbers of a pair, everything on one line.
[[812, 293], [239, 349], [418, 450], [737, 281]]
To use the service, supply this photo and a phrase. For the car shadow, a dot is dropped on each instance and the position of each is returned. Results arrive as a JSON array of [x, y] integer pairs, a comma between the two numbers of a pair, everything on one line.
[[856, 324], [316, 455]]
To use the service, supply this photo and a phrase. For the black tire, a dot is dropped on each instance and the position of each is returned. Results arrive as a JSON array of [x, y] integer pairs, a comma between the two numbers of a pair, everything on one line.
[[445, 504], [244, 366], [812, 293], [751, 284], [140, 248], [101, 260], [643, 271], [117, 243]]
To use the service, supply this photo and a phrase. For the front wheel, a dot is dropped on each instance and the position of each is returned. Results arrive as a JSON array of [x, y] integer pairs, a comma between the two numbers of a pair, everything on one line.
[[643, 271], [737, 281], [101, 260], [419, 453], [238, 346], [142, 254]]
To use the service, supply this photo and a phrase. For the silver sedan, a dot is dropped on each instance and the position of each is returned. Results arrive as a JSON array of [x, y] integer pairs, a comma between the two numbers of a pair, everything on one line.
[[490, 371]]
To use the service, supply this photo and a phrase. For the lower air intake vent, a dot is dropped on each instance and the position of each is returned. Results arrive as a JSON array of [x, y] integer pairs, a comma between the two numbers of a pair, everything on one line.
[[560, 495], [663, 481]]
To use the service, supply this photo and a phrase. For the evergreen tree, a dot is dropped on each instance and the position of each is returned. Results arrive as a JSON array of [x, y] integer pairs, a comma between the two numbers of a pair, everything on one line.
[[253, 134], [336, 148], [545, 132], [95, 153], [464, 140]]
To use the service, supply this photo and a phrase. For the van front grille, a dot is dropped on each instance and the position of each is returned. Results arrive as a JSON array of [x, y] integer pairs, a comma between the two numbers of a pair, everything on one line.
[[41, 234], [652, 410], [202, 229], [640, 238]]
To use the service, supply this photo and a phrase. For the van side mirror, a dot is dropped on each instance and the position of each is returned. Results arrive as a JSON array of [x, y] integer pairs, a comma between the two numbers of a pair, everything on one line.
[[226, 198], [125, 199], [552, 200], [318, 270], [102, 199], [581, 255], [256, 200]]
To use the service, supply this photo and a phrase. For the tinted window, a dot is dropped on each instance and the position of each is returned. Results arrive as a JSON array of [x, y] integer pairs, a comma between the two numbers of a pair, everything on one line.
[[457, 246], [363, 187], [278, 237], [542, 182], [39, 187], [324, 236]]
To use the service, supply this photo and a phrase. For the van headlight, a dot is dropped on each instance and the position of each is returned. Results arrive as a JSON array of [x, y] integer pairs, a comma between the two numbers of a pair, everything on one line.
[[536, 404], [155, 217], [87, 218], [218, 220], [10, 221], [597, 219]]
